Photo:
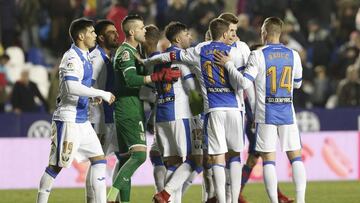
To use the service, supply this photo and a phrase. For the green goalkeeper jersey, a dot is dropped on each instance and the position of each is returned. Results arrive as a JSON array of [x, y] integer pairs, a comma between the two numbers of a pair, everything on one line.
[[129, 77]]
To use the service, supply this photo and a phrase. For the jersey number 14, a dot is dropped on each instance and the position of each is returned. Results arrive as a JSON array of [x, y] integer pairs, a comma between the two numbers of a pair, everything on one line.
[[285, 78]]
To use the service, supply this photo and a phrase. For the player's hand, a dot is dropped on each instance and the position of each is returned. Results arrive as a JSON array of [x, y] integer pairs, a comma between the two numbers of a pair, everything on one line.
[[112, 99], [96, 100], [166, 74], [221, 59]]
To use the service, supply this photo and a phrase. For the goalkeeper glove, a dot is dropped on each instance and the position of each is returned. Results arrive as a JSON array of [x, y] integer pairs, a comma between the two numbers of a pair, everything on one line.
[[166, 74]]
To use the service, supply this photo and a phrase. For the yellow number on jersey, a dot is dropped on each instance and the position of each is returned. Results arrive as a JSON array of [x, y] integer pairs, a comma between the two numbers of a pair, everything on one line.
[[209, 70], [285, 79]]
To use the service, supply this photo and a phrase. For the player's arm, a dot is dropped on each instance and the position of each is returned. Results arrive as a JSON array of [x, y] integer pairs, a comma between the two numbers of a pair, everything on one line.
[[126, 62], [244, 80], [73, 86], [297, 71], [188, 56]]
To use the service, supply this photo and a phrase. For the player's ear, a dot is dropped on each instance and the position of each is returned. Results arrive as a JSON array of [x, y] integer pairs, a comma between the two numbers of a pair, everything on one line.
[[101, 38], [177, 39], [131, 32], [81, 36]]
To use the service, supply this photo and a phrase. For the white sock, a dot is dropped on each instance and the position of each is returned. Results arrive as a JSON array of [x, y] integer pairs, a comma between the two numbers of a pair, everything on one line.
[[178, 178], [177, 196], [89, 191], [45, 185], [159, 177], [97, 180], [209, 188], [190, 180], [228, 185], [270, 180], [299, 177], [159, 172], [220, 181], [235, 178], [169, 172]]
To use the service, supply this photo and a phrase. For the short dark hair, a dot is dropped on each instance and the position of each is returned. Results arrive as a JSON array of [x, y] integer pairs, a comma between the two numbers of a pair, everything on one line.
[[101, 25], [152, 33], [77, 26], [126, 22], [229, 17], [273, 25], [218, 27], [173, 29]]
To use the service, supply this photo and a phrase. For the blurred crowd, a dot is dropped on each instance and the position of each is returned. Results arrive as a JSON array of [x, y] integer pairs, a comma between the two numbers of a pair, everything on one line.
[[326, 33]]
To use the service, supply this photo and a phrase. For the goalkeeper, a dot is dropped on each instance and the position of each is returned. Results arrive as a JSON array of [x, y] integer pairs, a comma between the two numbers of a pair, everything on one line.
[[129, 112]]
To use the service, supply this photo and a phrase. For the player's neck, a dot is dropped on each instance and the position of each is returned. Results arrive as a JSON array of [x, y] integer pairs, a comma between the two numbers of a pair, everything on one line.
[[272, 40], [177, 45], [82, 46], [132, 42]]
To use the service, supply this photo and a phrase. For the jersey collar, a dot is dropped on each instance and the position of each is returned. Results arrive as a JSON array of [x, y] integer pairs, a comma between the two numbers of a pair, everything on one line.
[[127, 44]]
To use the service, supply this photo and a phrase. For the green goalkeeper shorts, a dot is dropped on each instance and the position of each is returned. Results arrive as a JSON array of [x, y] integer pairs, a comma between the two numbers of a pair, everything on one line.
[[130, 133]]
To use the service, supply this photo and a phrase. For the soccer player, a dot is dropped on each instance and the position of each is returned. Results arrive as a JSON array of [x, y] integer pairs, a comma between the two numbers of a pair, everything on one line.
[[253, 156], [233, 178], [176, 131], [72, 133], [129, 112], [221, 103], [152, 37], [101, 116], [276, 70]]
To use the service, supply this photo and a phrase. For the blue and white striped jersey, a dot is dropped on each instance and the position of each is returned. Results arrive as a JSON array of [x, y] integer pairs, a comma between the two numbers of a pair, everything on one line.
[[75, 66], [276, 70], [172, 101], [217, 88], [103, 74]]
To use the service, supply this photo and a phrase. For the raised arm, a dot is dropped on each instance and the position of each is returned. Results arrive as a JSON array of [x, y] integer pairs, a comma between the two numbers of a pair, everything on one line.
[[189, 56], [244, 80]]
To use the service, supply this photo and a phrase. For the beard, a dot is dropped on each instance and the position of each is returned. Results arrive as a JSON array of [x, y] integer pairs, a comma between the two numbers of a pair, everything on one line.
[[113, 44]]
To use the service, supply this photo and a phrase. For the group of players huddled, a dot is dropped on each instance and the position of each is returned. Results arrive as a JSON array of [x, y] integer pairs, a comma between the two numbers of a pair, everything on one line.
[[204, 100]]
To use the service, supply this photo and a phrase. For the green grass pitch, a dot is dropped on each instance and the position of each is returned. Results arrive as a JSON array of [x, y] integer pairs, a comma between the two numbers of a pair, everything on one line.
[[317, 192]]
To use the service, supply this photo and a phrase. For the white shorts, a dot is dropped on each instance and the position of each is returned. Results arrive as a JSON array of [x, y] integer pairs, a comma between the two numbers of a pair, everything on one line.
[[107, 135], [71, 141], [179, 138], [224, 130], [267, 134]]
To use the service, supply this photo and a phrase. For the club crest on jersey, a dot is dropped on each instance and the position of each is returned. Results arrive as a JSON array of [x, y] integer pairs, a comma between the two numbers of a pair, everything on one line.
[[125, 56], [173, 56], [69, 67]]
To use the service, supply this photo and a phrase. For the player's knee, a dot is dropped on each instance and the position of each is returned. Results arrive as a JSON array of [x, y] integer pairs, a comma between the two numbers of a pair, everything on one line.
[[231, 154], [293, 154], [268, 156], [197, 159], [194, 166], [252, 160]]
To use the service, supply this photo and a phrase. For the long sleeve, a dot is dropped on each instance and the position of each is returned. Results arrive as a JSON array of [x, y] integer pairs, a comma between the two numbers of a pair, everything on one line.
[[77, 89], [244, 82]]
